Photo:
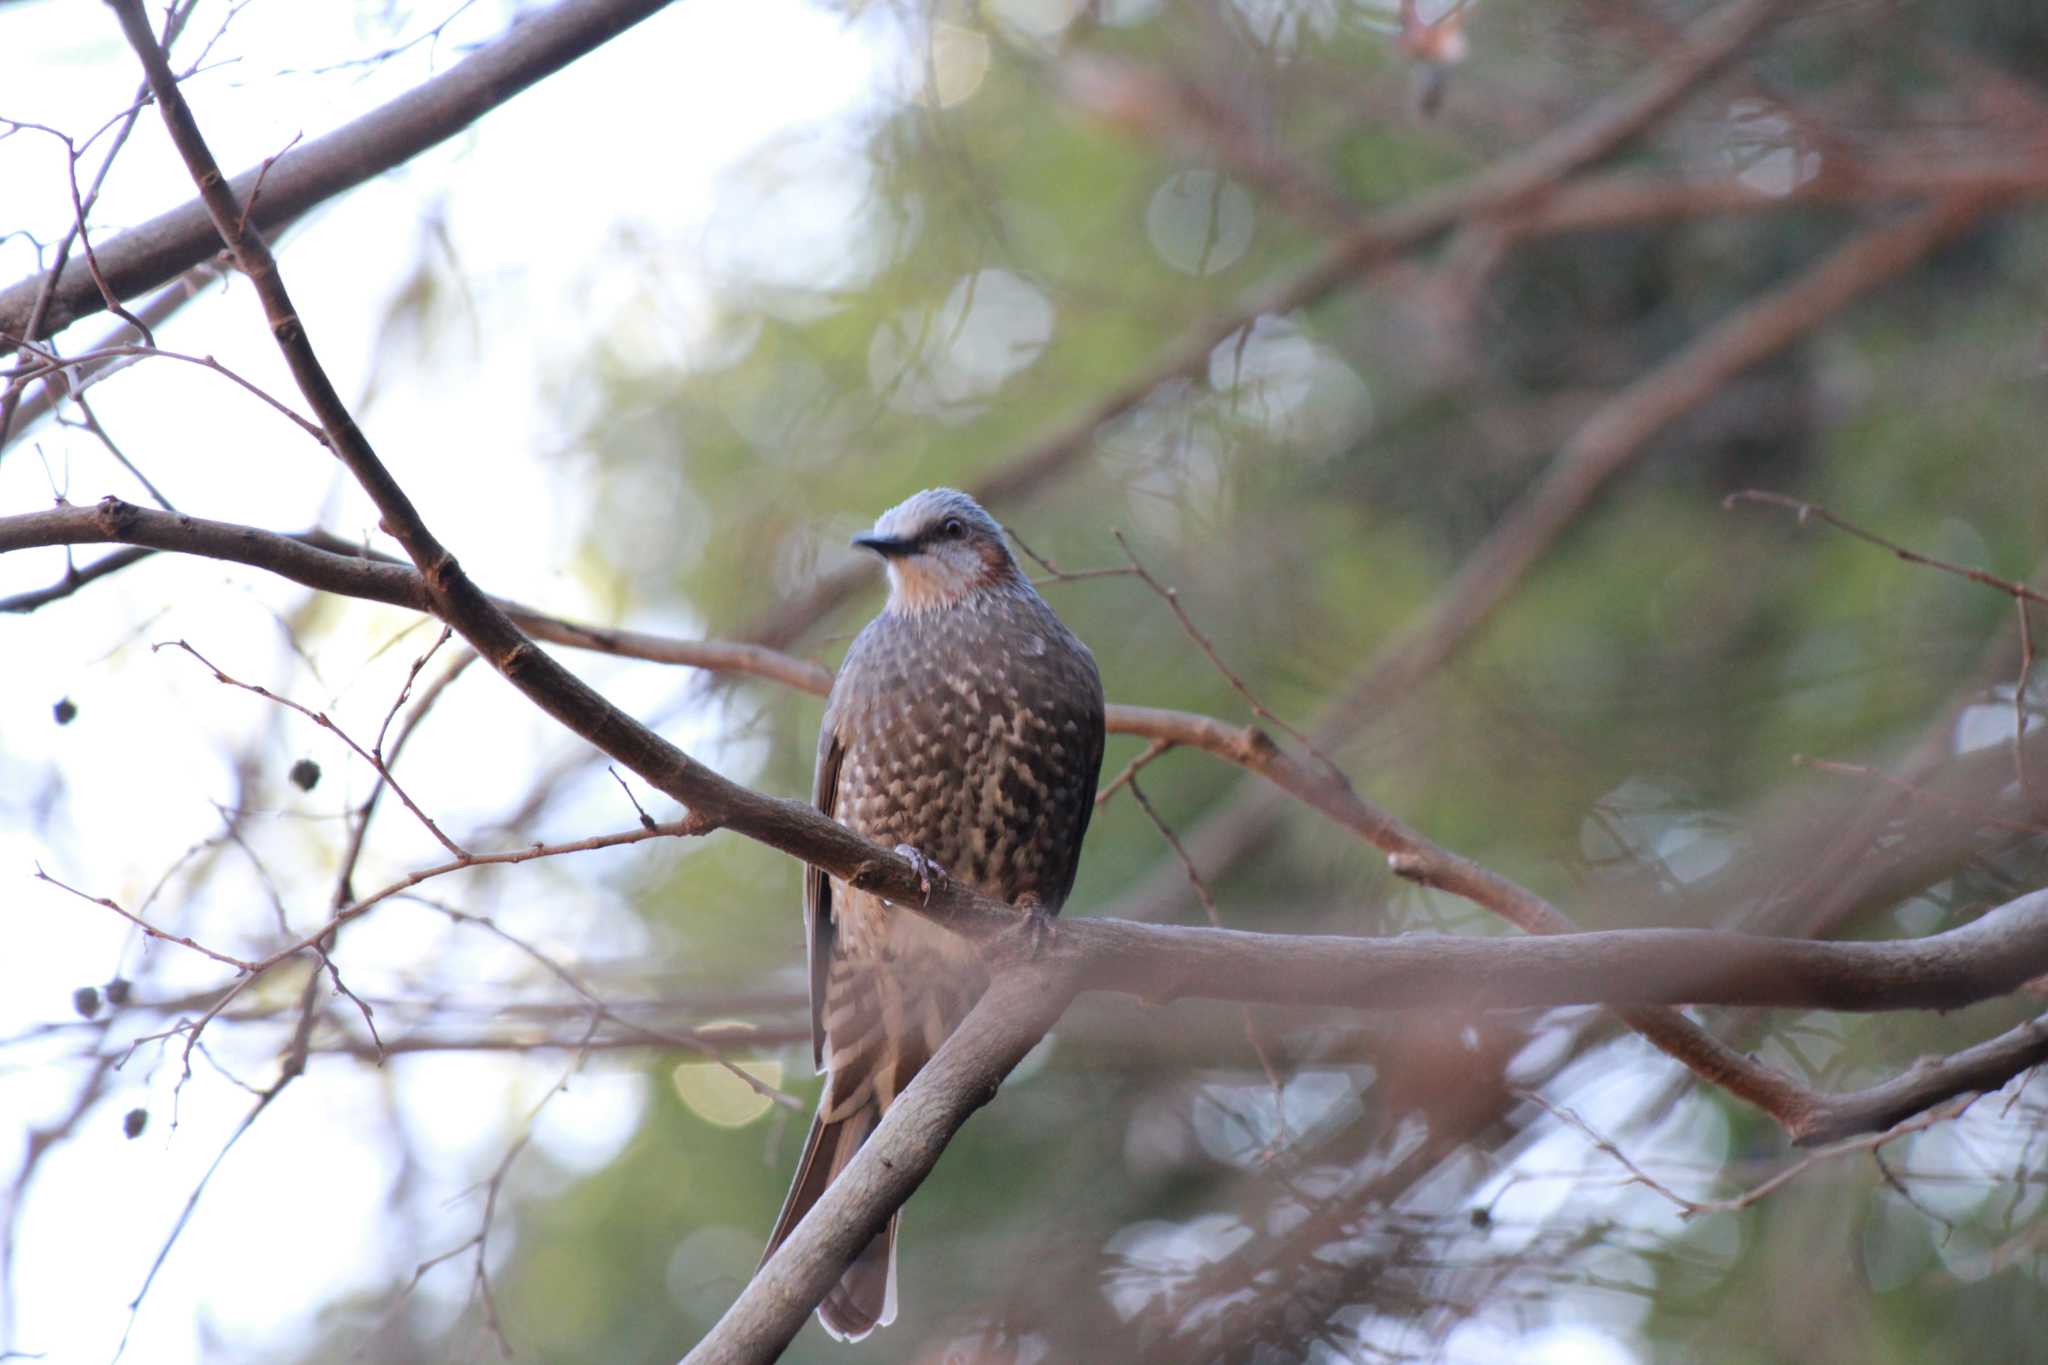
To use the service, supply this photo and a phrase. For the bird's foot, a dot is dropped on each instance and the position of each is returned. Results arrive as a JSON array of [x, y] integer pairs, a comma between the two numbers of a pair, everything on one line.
[[927, 870], [1036, 933]]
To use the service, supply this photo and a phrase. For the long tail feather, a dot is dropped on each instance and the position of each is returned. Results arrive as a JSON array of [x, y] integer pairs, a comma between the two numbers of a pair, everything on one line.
[[881, 1027]]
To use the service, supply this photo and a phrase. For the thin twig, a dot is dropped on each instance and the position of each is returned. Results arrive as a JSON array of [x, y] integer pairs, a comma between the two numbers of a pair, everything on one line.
[[1251, 1030], [226, 959], [2020, 717], [48, 361], [93, 425], [184, 1217], [1171, 596], [646, 820], [405, 689], [359, 825], [1916, 792], [1155, 749], [1689, 1209], [1808, 511], [693, 1041], [326, 722]]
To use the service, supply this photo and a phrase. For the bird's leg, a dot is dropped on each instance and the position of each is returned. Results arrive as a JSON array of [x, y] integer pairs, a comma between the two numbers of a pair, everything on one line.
[[927, 870]]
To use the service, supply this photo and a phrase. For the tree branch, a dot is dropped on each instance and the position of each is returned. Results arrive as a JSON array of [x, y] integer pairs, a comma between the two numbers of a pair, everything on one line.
[[1985, 1067], [960, 1078], [438, 108], [1988, 957]]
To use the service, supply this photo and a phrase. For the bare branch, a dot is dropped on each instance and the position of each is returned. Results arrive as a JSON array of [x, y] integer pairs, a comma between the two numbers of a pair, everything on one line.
[[157, 310], [1983, 1068], [1003, 1026], [1808, 511], [1988, 957], [146, 927], [1026, 1000]]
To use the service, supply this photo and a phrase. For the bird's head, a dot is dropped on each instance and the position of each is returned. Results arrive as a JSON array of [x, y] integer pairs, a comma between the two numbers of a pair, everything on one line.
[[941, 549]]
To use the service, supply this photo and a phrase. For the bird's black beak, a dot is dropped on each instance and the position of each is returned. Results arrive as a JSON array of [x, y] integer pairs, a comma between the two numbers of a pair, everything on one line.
[[888, 547]]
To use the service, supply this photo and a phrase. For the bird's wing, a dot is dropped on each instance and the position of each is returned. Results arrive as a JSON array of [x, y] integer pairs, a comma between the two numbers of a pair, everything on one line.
[[1092, 728], [818, 931], [1078, 704]]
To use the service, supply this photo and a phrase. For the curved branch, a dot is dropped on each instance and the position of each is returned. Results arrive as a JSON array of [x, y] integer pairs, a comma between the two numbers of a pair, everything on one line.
[[318, 559]]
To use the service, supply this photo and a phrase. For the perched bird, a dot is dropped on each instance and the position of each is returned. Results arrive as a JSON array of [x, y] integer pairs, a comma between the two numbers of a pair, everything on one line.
[[965, 730]]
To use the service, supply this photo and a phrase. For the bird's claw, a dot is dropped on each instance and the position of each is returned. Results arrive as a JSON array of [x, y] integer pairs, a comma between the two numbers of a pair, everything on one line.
[[927, 870], [1037, 932]]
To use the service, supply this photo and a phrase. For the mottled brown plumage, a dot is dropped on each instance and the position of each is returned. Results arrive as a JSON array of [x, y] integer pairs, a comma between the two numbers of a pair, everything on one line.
[[965, 723]]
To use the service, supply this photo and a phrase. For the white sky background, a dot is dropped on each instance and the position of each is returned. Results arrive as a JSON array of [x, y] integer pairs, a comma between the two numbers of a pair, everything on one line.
[[628, 142]]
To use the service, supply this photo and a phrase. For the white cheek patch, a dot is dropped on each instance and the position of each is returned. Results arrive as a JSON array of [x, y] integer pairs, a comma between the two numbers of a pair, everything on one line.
[[923, 583]]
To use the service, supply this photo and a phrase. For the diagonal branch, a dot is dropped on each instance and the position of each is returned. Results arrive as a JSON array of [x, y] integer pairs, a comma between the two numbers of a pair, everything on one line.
[[451, 595], [1983, 1068], [961, 1077]]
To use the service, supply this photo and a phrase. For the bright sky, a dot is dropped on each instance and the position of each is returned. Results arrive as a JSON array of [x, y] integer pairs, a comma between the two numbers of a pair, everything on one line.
[[533, 201]]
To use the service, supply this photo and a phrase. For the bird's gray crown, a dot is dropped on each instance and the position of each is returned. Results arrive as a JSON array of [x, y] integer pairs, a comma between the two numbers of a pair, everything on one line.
[[921, 514]]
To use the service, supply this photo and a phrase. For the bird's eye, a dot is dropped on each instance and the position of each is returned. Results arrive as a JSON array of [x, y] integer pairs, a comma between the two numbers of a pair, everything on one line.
[[953, 527]]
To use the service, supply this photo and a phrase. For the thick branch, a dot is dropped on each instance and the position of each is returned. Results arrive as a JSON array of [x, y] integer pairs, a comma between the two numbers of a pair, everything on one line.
[[1985, 1067], [143, 257], [1986, 958], [962, 1077], [112, 521]]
